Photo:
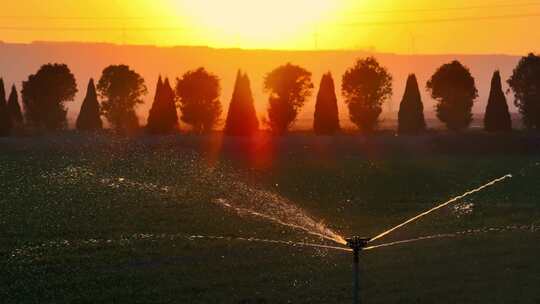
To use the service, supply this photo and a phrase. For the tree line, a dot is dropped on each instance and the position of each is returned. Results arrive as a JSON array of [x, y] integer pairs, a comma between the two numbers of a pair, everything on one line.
[[365, 87]]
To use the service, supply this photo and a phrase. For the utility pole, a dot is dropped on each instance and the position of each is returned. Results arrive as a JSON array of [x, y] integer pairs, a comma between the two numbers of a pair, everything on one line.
[[316, 39]]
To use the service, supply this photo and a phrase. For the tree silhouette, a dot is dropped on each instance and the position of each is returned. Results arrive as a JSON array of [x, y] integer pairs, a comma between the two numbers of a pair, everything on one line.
[[242, 117], [525, 83], [14, 108], [163, 118], [411, 110], [198, 93], [366, 86], [5, 119], [326, 118], [497, 117], [121, 90], [453, 87], [44, 95], [289, 86], [89, 117]]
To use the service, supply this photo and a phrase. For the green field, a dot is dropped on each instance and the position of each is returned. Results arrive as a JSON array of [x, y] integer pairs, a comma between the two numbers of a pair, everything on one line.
[[108, 220]]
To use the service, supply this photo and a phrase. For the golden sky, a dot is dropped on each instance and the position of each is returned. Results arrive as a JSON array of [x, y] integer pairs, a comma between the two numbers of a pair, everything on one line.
[[401, 26]]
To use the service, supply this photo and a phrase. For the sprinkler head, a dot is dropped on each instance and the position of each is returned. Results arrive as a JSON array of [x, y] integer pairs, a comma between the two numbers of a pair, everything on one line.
[[357, 243]]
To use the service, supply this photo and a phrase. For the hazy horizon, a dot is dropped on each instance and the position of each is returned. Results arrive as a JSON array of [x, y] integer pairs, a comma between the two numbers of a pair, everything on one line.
[[308, 50]]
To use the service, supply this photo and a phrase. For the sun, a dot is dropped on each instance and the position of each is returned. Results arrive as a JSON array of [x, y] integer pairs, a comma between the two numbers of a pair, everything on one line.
[[256, 23]]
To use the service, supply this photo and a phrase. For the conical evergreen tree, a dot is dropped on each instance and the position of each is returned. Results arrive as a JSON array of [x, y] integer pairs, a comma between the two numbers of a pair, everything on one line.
[[89, 117], [163, 118], [242, 117], [169, 98], [411, 110], [14, 107], [497, 117], [326, 121], [5, 120]]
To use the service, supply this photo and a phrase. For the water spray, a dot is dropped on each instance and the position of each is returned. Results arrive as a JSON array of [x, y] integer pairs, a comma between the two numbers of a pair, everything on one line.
[[358, 244]]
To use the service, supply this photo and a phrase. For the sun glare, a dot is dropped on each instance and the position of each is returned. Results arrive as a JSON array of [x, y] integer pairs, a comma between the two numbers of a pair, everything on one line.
[[254, 24]]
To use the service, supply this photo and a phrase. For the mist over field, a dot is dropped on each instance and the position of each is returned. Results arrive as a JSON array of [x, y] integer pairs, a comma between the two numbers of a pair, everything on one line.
[[87, 60]]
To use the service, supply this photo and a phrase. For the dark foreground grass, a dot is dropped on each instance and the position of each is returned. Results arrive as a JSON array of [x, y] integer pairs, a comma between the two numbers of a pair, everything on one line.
[[103, 220]]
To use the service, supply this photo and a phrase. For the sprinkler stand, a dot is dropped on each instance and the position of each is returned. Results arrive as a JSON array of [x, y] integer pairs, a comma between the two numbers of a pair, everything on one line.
[[357, 244]]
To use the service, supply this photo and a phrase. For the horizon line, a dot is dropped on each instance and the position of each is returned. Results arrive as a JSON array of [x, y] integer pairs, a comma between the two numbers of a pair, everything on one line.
[[369, 49]]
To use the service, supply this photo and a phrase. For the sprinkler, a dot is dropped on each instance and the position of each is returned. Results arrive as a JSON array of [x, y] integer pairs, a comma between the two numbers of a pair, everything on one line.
[[357, 244]]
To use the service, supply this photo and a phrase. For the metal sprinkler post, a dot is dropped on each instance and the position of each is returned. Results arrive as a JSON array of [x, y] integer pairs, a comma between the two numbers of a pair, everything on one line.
[[357, 244]]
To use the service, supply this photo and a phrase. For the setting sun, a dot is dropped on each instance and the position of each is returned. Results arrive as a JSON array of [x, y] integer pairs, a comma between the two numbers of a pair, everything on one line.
[[416, 26], [254, 24]]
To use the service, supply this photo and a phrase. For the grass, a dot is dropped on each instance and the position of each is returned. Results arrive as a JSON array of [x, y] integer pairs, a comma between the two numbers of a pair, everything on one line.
[[102, 219]]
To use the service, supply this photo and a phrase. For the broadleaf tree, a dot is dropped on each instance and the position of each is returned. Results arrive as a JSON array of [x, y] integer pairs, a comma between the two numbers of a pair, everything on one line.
[[198, 94], [44, 95], [121, 90], [454, 88], [288, 86], [525, 84], [366, 86]]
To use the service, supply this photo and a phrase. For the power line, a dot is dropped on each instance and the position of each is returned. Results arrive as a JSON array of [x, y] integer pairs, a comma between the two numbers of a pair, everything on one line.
[[89, 29], [90, 18], [367, 12], [443, 20], [454, 8], [373, 23]]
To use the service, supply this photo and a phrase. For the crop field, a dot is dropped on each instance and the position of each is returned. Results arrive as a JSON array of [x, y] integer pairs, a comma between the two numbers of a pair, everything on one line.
[[188, 219]]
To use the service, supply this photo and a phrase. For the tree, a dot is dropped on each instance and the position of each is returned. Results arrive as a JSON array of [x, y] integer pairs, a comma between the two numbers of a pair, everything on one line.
[[242, 117], [14, 107], [89, 117], [45, 93], [121, 90], [497, 117], [5, 119], [289, 86], [163, 118], [198, 93], [366, 86], [453, 87], [525, 83], [411, 110], [326, 118]]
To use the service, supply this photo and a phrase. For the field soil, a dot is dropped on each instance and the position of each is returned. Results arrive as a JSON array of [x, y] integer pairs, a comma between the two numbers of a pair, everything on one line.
[[107, 219]]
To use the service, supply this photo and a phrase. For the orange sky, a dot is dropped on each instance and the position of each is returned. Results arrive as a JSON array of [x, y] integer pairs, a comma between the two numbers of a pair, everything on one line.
[[402, 26]]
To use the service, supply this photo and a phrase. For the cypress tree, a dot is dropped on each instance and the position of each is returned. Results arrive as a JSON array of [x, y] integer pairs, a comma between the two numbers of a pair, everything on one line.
[[14, 107], [5, 120], [326, 120], [242, 117], [153, 124], [89, 117], [171, 115], [411, 110], [163, 117], [497, 117]]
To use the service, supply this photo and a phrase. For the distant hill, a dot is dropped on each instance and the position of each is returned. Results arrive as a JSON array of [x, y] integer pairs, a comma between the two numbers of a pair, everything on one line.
[[87, 60]]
